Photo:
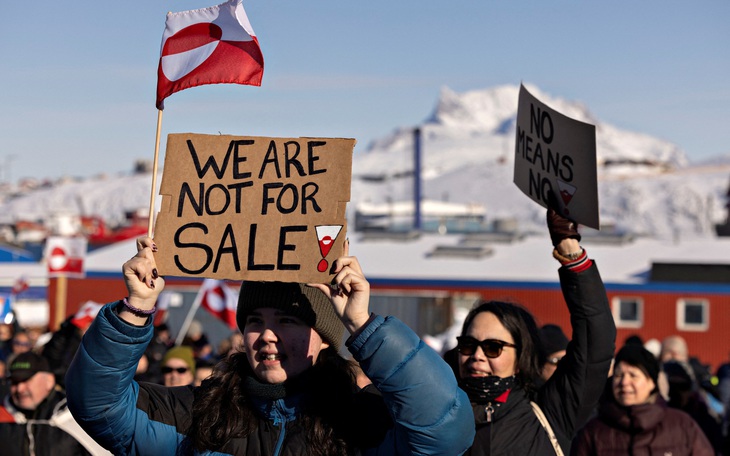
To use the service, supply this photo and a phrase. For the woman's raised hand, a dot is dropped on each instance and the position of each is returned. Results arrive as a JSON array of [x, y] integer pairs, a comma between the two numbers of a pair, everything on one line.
[[140, 276], [349, 292]]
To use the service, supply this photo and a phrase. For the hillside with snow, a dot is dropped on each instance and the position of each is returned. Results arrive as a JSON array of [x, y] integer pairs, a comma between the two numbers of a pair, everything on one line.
[[646, 186]]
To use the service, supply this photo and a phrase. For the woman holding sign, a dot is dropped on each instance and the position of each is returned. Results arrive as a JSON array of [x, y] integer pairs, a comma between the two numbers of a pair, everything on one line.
[[288, 393], [499, 365]]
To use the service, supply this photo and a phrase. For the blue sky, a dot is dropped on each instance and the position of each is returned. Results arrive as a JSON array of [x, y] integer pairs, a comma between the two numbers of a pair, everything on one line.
[[78, 80]]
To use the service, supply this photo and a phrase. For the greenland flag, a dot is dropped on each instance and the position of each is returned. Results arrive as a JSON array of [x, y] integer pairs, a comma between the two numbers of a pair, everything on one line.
[[86, 314], [214, 45], [219, 300]]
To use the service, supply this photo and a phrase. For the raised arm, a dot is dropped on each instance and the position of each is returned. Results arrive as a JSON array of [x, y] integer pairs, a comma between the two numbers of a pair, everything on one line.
[[432, 415], [571, 394], [101, 392]]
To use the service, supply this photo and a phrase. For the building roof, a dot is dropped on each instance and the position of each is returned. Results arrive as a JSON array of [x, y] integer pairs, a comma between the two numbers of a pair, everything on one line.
[[509, 259]]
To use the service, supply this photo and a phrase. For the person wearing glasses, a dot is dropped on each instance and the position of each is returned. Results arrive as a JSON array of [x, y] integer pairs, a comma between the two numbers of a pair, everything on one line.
[[553, 343], [287, 392], [21, 343], [499, 361], [178, 366]]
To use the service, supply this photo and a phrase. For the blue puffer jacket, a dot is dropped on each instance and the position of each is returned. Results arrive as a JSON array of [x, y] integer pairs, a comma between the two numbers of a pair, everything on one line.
[[431, 415]]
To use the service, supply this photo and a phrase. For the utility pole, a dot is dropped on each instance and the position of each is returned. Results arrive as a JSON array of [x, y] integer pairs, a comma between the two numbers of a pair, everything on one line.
[[417, 179]]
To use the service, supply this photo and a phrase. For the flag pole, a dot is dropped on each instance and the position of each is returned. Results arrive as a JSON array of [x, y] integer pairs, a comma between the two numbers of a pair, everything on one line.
[[189, 317], [154, 173]]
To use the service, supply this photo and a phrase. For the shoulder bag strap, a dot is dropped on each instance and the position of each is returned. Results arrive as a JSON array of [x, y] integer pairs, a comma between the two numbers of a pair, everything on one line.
[[551, 435]]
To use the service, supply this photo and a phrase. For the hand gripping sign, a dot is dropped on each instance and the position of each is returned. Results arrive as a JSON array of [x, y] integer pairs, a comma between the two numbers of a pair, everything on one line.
[[253, 208], [556, 154]]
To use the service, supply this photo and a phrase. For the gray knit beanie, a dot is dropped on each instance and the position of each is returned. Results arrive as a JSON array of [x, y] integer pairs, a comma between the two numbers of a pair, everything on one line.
[[297, 299]]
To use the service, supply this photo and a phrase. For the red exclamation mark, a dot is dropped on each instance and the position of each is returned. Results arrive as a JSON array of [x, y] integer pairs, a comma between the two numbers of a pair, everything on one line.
[[326, 235], [325, 244]]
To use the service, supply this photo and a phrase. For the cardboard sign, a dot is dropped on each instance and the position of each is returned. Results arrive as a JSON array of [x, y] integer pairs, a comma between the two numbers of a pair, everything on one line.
[[253, 208], [554, 153]]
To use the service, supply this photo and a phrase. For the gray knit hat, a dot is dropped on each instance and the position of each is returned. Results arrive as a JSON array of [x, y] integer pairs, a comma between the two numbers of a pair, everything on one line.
[[297, 299]]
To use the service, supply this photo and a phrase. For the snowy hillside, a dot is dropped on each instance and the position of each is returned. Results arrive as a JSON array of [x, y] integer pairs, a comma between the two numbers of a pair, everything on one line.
[[479, 126], [106, 196], [646, 185]]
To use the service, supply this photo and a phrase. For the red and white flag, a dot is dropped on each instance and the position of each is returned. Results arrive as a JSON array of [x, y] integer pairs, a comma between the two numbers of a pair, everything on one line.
[[86, 314], [20, 285], [65, 256], [214, 45], [219, 300]]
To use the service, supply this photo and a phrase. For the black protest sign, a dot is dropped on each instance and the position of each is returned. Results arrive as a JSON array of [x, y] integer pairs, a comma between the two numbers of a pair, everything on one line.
[[253, 208], [554, 153]]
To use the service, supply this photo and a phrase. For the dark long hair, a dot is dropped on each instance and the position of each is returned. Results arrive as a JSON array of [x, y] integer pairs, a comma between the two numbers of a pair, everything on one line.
[[221, 408], [521, 325]]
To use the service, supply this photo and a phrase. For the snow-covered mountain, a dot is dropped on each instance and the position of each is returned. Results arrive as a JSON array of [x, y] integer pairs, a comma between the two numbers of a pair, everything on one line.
[[646, 185], [476, 127]]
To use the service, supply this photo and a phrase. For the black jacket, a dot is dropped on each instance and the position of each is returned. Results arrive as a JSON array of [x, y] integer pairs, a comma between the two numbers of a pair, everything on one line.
[[60, 350], [571, 394], [48, 440]]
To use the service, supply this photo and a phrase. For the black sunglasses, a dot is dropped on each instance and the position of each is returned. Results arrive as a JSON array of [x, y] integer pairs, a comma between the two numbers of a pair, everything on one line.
[[467, 345], [179, 370]]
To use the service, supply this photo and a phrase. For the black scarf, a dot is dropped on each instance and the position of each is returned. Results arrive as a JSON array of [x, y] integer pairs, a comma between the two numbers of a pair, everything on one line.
[[483, 390], [273, 391]]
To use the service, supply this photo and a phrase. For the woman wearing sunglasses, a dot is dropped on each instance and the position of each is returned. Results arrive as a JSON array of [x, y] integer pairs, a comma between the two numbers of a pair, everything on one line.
[[499, 363]]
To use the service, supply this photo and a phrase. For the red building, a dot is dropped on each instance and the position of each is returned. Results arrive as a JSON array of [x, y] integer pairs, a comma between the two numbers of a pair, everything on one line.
[[656, 288]]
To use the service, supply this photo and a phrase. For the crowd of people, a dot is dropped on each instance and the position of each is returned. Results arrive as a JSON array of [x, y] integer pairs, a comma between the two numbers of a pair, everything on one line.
[[312, 371], [34, 418]]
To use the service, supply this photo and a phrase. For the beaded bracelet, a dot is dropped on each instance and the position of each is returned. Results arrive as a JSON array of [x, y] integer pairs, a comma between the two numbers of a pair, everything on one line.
[[569, 258], [138, 312]]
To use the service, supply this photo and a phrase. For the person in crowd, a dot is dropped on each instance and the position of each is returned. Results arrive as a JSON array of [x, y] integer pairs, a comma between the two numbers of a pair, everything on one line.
[[674, 348], [198, 340], [288, 392], [163, 336], [723, 384], [499, 361], [634, 419], [684, 394], [34, 419], [178, 366], [229, 345], [159, 345], [203, 370], [35, 334], [21, 343], [553, 343], [4, 381], [141, 373], [64, 342], [7, 330]]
